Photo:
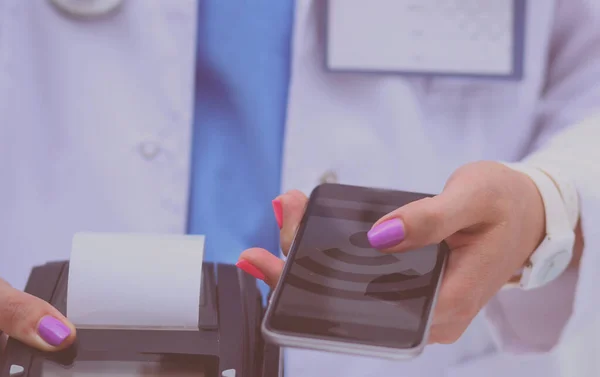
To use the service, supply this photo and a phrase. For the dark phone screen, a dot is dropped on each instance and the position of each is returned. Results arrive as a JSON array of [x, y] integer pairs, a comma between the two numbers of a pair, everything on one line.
[[337, 287]]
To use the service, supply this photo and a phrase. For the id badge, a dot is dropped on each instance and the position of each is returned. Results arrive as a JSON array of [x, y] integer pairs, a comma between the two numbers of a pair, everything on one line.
[[475, 38]]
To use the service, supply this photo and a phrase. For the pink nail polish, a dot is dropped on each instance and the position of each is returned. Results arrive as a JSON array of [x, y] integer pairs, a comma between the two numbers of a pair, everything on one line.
[[387, 234], [278, 210], [251, 269], [53, 331]]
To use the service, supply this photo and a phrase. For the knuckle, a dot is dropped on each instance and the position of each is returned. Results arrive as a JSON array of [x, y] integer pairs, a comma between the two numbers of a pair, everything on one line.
[[299, 195], [483, 175], [470, 171], [295, 192]]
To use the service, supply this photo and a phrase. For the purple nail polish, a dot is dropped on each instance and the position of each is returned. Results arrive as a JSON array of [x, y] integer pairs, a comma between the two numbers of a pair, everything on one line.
[[387, 234], [53, 331]]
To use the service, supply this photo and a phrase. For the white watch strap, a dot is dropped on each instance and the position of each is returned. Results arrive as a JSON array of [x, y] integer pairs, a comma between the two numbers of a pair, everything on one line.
[[568, 192], [556, 215], [557, 221]]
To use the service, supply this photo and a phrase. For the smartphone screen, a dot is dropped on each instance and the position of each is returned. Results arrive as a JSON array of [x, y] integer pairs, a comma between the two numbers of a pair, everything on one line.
[[337, 287]]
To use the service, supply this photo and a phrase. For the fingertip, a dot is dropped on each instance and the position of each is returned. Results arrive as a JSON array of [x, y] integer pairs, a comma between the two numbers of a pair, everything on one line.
[[268, 265], [34, 321], [387, 234], [252, 254], [54, 332], [251, 269]]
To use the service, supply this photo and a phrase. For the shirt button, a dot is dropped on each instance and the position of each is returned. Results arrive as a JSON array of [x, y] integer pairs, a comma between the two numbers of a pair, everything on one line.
[[328, 177], [149, 150], [87, 8]]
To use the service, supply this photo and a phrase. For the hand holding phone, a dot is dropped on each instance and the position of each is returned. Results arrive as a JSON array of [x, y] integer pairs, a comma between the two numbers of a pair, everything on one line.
[[337, 293], [491, 217]]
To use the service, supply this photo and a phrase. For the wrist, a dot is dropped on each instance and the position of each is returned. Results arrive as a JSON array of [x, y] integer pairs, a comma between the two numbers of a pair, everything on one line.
[[546, 260], [531, 199]]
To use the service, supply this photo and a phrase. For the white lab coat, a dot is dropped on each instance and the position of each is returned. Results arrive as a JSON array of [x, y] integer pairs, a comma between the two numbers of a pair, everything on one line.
[[95, 126]]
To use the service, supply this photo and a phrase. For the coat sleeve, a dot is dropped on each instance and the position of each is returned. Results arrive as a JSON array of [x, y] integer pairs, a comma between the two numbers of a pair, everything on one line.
[[568, 141]]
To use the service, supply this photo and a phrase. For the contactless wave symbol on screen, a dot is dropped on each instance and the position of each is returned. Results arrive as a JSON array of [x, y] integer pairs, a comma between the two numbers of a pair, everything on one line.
[[388, 283]]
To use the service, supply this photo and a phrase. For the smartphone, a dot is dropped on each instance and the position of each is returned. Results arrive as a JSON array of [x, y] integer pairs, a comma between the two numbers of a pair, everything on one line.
[[338, 294]]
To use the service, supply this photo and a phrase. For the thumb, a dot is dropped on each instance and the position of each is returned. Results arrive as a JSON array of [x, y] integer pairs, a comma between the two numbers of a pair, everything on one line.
[[423, 222], [33, 321]]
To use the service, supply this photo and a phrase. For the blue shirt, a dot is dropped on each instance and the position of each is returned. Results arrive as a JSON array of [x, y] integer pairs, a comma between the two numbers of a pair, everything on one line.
[[242, 75]]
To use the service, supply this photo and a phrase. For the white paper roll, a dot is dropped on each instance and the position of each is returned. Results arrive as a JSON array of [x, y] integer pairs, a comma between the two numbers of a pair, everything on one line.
[[135, 281]]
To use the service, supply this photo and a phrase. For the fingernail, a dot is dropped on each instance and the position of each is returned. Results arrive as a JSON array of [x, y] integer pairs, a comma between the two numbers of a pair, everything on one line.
[[387, 234], [53, 331], [249, 268], [278, 209]]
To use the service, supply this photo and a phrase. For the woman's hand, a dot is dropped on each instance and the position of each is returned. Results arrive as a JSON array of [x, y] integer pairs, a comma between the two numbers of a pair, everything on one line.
[[491, 216], [33, 321]]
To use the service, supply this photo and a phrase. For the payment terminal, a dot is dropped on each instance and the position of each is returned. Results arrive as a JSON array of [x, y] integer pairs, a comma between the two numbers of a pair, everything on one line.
[[227, 343]]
